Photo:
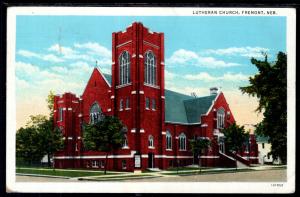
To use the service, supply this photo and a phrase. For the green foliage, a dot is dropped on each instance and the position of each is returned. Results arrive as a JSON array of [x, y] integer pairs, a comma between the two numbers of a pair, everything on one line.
[[106, 135], [50, 102], [27, 147], [64, 173], [235, 137], [198, 145], [270, 87], [38, 138]]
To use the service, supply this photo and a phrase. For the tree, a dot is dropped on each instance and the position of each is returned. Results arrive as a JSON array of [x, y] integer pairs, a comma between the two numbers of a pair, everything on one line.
[[50, 103], [39, 137], [235, 137], [197, 146], [27, 148], [105, 135], [270, 87], [51, 139]]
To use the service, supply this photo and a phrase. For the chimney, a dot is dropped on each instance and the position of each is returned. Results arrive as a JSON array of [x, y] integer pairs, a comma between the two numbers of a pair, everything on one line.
[[213, 91]]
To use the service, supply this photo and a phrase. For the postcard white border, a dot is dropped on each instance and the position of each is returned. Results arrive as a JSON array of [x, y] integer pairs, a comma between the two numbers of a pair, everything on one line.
[[144, 187]]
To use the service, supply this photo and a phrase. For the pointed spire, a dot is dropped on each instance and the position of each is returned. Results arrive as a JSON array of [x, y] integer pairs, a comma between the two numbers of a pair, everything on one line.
[[96, 65]]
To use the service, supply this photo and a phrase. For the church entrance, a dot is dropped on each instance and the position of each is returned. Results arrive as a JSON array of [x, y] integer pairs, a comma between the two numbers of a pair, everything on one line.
[[150, 160], [221, 145]]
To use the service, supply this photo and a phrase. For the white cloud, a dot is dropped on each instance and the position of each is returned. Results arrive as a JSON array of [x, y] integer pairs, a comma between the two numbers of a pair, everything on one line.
[[47, 57], [26, 68], [204, 76], [90, 51], [52, 58], [200, 91], [34, 73], [235, 77], [185, 57], [182, 56], [169, 75], [94, 48], [80, 66], [256, 52], [22, 84], [59, 69], [28, 54], [66, 51]]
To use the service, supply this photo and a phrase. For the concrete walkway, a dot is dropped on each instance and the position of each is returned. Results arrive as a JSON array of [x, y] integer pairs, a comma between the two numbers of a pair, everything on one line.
[[146, 175], [165, 173]]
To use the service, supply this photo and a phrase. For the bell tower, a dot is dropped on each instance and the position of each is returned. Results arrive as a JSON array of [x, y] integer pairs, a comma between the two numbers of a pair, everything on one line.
[[138, 89]]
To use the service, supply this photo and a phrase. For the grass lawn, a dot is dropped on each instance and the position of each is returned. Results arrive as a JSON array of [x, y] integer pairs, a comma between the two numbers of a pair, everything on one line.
[[148, 171], [64, 173], [206, 172], [118, 178], [185, 168], [126, 176]]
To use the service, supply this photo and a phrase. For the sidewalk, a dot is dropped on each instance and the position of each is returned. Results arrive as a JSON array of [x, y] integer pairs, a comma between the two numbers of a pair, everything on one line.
[[162, 173], [165, 173]]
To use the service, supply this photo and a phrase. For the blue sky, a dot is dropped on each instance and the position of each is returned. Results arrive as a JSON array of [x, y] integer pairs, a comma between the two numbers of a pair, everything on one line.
[[59, 52]]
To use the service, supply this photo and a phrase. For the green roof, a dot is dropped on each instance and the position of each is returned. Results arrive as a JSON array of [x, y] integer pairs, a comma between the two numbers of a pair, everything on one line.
[[197, 106], [174, 107], [108, 77], [181, 108]]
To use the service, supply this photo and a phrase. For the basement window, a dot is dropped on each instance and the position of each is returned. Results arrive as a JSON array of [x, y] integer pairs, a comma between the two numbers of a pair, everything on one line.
[[95, 164], [124, 164]]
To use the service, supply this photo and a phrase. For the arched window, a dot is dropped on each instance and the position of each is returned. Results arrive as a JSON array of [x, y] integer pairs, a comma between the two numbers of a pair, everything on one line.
[[127, 103], [220, 118], [153, 104], [182, 141], [124, 68], [95, 113], [168, 140], [125, 142], [61, 113], [150, 68], [147, 103], [150, 141], [121, 104]]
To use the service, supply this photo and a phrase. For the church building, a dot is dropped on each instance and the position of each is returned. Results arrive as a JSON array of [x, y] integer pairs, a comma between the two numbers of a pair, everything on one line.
[[159, 122]]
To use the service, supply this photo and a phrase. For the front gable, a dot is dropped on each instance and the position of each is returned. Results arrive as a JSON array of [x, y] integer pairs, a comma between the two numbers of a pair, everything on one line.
[[98, 91], [211, 115]]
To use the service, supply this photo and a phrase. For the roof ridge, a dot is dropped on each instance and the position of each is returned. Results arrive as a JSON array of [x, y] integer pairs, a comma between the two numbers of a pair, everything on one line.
[[102, 74], [200, 97]]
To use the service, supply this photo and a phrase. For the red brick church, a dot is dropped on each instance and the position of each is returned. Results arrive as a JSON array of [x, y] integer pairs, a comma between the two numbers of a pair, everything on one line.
[[159, 122]]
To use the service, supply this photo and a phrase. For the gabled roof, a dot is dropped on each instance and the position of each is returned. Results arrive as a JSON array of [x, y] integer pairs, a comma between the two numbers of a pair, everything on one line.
[[108, 78], [174, 107], [181, 108], [197, 106]]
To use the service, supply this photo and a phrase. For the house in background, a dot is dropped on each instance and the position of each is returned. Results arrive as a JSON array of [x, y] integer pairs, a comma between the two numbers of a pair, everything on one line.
[[264, 147], [159, 122]]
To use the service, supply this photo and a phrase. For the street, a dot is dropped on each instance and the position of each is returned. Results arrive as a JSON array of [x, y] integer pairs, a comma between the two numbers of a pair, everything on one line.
[[253, 176], [276, 175]]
